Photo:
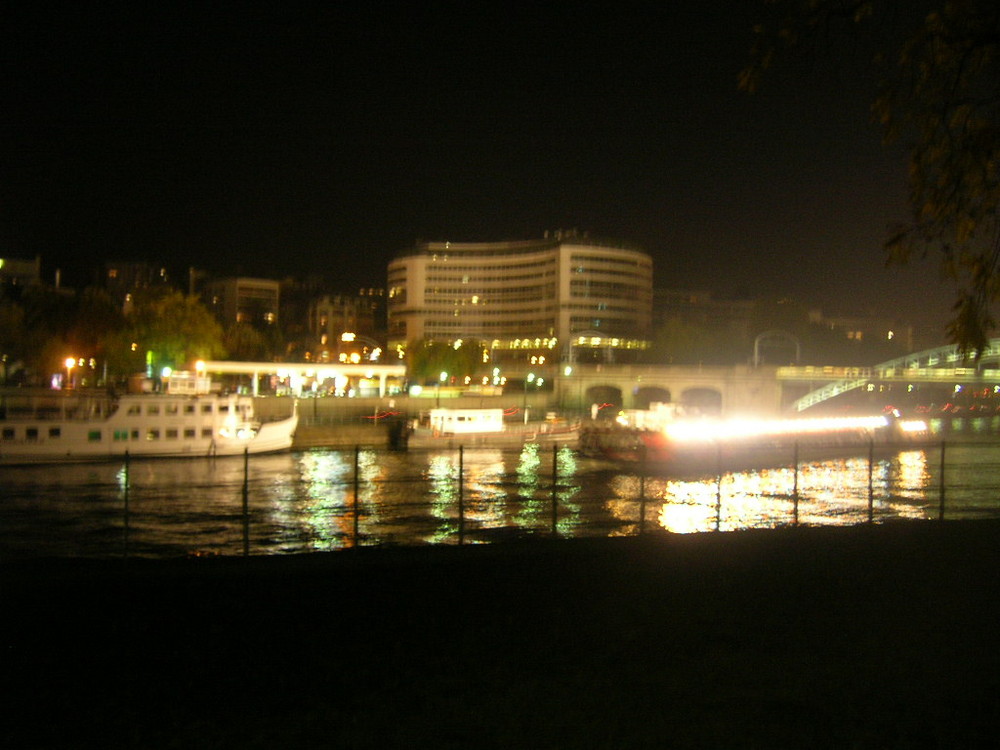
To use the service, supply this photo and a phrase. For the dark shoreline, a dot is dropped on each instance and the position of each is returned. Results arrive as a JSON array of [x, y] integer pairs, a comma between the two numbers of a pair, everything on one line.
[[880, 636]]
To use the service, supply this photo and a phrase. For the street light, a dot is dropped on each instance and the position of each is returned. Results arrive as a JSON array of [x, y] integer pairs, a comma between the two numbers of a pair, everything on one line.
[[443, 377], [70, 364], [524, 405]]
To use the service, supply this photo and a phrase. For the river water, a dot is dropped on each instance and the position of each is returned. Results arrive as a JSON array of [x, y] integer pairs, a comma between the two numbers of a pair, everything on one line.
[[321, 500]]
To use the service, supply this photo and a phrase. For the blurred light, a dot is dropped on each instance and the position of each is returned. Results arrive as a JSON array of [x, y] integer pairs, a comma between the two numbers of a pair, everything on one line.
[[738, 428]]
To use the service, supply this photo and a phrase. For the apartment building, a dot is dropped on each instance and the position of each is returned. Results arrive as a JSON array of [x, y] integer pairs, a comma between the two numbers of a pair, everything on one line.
[[243, 300], [564, 296]]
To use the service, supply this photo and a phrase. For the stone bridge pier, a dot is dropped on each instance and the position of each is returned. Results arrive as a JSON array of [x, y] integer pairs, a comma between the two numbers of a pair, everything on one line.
[[724, 390]]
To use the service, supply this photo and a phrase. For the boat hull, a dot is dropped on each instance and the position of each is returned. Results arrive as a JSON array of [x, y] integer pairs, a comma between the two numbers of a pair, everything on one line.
[[138, 426], [654, 450]]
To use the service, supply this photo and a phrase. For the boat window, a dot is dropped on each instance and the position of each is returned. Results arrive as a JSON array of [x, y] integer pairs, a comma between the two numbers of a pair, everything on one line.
[[135, 434], [121, 435], [133, 409], [206, 432], [31, 433], [8, 433], [206, 408], [223, 408], [189, 408], [94, 436], [152, 434], [55, 432], [153, 410], [189, 432], [172, 409], [172, 434]]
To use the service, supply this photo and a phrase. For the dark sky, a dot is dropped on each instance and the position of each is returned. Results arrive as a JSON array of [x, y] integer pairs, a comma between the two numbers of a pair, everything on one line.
[[281, 141]]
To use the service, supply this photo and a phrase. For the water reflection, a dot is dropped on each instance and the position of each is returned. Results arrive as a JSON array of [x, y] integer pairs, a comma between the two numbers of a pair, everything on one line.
[[327, 500]]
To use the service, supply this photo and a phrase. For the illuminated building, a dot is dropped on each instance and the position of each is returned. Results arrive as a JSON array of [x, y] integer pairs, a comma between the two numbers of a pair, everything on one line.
[[360, 316], [16, 272], [243, 300], [123, 278], [563, 297]]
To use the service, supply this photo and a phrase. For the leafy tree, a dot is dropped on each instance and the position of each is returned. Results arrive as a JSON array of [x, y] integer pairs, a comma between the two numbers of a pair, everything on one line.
[[176, 329], [938, 64], [96, 319], [245, 343], [426, 359]]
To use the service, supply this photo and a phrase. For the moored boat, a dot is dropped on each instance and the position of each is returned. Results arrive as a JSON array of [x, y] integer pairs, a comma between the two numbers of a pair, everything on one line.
[[80, 426], [702, 444]]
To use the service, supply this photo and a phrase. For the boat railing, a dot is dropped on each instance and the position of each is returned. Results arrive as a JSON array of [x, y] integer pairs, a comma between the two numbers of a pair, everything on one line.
[[56, 408]]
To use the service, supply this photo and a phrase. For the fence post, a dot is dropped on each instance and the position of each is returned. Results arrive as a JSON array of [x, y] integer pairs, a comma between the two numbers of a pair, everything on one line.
[[718, 486], [555, 486], [795, 486], [246, 501], [357, 491], [461, 496], [126, 530], [643, 467], [941, 486], [871, 488]]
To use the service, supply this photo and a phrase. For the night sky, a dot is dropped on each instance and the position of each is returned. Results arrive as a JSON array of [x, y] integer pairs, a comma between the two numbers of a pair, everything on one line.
[[281, 141]]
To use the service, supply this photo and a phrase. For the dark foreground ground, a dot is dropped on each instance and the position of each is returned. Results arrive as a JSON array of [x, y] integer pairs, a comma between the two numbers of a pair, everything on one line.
[[863, 637]]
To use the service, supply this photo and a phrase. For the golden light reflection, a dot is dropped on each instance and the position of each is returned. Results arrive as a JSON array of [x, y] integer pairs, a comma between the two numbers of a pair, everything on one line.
[[323, 474], [835, 492]]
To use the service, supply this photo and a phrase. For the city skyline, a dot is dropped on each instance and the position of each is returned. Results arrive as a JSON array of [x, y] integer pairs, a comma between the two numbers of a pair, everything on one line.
[[290, 142]]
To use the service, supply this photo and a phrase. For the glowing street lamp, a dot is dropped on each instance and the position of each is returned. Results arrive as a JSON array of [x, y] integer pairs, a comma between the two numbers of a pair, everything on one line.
[[443, 377], [70, 364], [524, 404]]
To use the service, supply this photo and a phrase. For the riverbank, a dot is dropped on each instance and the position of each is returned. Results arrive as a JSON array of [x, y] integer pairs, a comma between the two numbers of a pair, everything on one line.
[[864, 637]]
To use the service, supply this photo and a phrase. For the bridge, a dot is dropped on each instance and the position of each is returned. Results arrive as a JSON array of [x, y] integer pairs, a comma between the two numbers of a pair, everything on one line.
[[734, 389], [747, 389], [943, 364]]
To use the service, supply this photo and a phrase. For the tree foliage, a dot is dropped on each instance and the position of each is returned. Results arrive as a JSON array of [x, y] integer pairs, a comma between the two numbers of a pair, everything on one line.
[[426, 360], [175, 328], [938, 67]]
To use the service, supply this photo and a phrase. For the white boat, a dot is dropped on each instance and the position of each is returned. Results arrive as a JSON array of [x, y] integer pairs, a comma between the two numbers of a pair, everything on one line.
[[57, 427]]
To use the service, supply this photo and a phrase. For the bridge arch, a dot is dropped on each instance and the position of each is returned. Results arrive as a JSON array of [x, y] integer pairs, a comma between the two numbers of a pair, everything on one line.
[[648, 394], [702, 400], [605, 394], [949, 358]]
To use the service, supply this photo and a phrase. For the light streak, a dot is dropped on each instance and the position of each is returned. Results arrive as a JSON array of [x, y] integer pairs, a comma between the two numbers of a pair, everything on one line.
[[743, 428]]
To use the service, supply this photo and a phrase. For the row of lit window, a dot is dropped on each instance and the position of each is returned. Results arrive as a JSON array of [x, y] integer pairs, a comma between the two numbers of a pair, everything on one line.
[[607, 272], [521, 305], [546, 324], [500, 266], [532, 289], [32, 434], [611, 259], [173, 410], [500, 282]]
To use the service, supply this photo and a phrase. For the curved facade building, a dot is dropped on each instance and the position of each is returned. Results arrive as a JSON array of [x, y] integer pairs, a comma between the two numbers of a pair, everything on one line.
[[562, 297]]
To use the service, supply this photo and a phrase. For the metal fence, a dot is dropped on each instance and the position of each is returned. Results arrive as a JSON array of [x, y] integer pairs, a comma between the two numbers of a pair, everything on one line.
[[323, 500], [453, 499]]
